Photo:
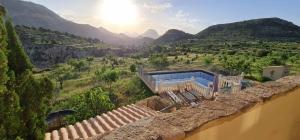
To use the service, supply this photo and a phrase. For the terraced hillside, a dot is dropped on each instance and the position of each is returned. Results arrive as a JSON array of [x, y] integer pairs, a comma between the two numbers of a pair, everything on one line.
[[47, 48]]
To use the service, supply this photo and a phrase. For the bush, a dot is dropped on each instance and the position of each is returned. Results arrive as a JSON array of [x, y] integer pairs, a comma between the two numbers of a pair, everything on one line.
[[188, 62], [207, 60], [79, 65], [231, 52], [132, 68], [88, 104], [159, 61], [108, 76], [262, 53], [133, 90]]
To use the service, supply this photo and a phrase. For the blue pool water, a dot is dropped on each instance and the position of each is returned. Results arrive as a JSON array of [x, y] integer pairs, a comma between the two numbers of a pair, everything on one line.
[[201, 77]]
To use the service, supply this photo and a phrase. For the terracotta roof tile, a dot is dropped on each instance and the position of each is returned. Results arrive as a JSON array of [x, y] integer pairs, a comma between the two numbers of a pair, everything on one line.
[[101, 125]]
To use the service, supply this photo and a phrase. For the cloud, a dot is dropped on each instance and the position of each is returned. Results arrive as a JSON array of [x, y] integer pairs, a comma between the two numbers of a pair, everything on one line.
[[185, 21], [157, 8], [185, 18], [181, 14]]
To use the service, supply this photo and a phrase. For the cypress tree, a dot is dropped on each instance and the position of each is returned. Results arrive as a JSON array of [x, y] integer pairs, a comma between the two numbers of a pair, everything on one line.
[[18, 61], [3, 58], [24, 100], [9, 100], [11, 114], [3, 72], [35, 98]]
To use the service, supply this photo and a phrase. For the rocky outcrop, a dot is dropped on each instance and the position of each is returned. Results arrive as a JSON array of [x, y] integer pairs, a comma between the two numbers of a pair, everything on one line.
[[176, 124]]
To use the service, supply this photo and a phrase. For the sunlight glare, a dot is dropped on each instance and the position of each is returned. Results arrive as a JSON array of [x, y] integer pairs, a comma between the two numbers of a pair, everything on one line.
[[119, 12]]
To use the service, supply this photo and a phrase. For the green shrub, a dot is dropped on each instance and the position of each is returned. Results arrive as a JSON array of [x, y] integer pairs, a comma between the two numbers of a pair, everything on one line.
[[159, 61], [132, 68], [89, 104]]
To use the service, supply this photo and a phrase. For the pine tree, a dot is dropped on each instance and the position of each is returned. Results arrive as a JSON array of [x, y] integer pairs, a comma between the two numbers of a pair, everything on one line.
[[18, 61]]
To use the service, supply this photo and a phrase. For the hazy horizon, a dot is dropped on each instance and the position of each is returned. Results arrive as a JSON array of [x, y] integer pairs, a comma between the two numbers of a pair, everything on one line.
[[192, 16]]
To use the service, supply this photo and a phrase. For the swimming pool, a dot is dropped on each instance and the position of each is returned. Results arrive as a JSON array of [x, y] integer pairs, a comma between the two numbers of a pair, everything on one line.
[[201, 77]]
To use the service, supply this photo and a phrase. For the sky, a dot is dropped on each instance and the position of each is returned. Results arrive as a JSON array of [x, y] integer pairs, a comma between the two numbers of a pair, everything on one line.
[[192, 16]]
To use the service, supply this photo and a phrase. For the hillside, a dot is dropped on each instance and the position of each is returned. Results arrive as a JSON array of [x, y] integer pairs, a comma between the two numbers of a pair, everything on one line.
[[46, 36], [173, 35], [268, 29], [35, 15], [47, 48]]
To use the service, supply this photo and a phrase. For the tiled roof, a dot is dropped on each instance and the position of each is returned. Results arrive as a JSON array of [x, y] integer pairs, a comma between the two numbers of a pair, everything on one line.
[[101, 125]]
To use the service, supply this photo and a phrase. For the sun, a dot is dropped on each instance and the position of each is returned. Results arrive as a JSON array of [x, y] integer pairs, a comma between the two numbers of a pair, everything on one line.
[[119, 12]]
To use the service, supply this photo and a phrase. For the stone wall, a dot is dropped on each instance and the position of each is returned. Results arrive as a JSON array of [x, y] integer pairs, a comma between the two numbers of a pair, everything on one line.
[[276, 72], [278, 119]]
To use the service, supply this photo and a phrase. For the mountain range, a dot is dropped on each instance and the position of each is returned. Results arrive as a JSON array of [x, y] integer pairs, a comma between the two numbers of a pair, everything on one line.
[[35, 15], [266, 29]]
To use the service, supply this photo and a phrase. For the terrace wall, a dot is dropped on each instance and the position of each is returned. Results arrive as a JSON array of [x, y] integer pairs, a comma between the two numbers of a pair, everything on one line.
[[278, 119]]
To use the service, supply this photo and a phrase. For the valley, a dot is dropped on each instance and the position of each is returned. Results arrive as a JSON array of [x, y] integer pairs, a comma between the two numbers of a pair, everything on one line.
[[128, 88], [75, 62], [55, 64]]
